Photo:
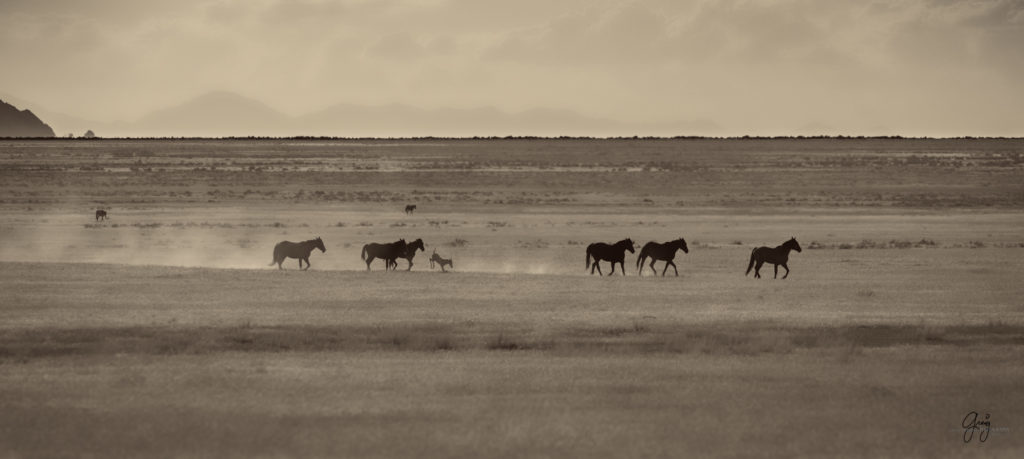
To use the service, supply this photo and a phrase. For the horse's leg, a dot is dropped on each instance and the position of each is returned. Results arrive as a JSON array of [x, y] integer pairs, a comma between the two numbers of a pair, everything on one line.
[[599, 273], [368, 261], [622, 264], [674, 267], [613, 269], [279, 263], [757, 269], [307, 264], [776, 272], [410, 265], [787, 271], [653, 268]]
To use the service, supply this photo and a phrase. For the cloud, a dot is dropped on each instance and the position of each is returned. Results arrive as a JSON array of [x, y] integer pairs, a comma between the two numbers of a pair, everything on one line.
[[752, 65]]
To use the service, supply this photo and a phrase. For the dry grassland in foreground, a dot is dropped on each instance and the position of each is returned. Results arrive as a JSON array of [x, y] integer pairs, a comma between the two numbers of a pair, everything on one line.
[[140, 360]]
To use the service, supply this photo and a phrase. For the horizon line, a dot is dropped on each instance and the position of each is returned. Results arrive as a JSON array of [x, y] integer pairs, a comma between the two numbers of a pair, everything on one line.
[[534, 137]]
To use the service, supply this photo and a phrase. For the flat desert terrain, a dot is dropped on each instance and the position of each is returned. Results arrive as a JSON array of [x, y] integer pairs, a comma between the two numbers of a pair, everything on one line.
[[162, 331]]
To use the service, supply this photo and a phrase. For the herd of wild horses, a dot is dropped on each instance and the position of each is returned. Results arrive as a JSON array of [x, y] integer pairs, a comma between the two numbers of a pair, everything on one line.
[[613, 253]]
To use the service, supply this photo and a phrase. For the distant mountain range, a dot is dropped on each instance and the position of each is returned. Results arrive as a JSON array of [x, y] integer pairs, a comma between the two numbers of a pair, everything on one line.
[[21, 123], [221, 114]]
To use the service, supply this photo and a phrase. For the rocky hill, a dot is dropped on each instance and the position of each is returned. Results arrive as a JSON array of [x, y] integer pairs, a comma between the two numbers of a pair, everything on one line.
[[21, 123]]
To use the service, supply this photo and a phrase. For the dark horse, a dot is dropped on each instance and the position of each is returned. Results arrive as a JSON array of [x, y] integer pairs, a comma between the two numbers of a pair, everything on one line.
[[410, 252], [665, 252], [300, 250], [388, 252], [776, 256], [410, 208], [101, 215], [614, 253]]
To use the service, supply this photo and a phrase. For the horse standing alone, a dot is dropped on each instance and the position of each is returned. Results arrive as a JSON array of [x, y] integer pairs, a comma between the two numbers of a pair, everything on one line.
[[614, 253], [665, 252], [410, 208], [776, 256], [101, 215], [300, 250]]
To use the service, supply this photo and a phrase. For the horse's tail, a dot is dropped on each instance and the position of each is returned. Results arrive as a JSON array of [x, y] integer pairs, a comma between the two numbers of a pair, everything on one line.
[[640, 259], [272, 262], [588, 258], [363, 255], [751, 265]]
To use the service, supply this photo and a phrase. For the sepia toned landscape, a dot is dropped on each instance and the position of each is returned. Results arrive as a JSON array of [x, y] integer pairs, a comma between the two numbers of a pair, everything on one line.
[[162, 331]]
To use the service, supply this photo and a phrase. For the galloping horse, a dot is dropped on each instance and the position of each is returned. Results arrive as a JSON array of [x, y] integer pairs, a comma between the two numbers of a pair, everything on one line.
[[614, 253], [388, 252], [776, 256], [101, 215], [410, 208], [410, 252], [665, 252], [300, 250], [435, 258]]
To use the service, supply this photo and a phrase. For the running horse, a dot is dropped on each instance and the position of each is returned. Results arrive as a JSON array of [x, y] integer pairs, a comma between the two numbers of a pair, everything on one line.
[[665, 252], [389, 252], [776, 256], [614, 253], [300, 250], [410, 252]]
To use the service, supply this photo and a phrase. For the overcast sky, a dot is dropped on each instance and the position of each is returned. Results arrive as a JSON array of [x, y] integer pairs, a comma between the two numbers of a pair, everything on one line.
[[915, 67]]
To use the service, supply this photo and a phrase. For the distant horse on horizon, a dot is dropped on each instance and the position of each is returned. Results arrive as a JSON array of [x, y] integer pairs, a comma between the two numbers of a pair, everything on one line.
[[435, 258], [776, 256], [101, 215], [387, 251], [410, 208], [614, 253], [665, 252], [410, 252], [300, 250]]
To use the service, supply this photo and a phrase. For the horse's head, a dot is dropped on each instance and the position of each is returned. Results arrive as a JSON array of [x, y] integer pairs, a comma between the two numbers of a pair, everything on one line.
[[417, 244], [628, 243], [681, 243], [320, 244], [792, 244]]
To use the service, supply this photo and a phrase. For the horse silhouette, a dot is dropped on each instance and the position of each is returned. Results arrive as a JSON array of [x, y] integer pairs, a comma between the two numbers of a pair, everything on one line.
[[410, 252], [410, 208], [387, 251], [665, 252], [101, 215], [435, 258], [300, 250], [774, 255], [614, 253]]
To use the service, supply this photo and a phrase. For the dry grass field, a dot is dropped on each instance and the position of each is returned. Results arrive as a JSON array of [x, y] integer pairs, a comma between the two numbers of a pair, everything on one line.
[[163, 332]]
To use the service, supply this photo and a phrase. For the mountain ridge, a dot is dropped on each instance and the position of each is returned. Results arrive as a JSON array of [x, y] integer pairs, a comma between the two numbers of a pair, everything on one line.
[[21, 123]]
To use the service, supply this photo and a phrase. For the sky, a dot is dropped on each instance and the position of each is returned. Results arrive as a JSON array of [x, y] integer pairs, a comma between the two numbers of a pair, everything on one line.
[[731, 67]]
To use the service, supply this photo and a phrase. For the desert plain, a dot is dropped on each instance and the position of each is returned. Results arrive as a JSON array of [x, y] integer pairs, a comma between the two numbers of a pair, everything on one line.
[[163, 332]]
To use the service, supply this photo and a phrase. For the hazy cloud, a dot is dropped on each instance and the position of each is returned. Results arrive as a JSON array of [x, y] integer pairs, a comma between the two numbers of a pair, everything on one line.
[[753, 66]]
